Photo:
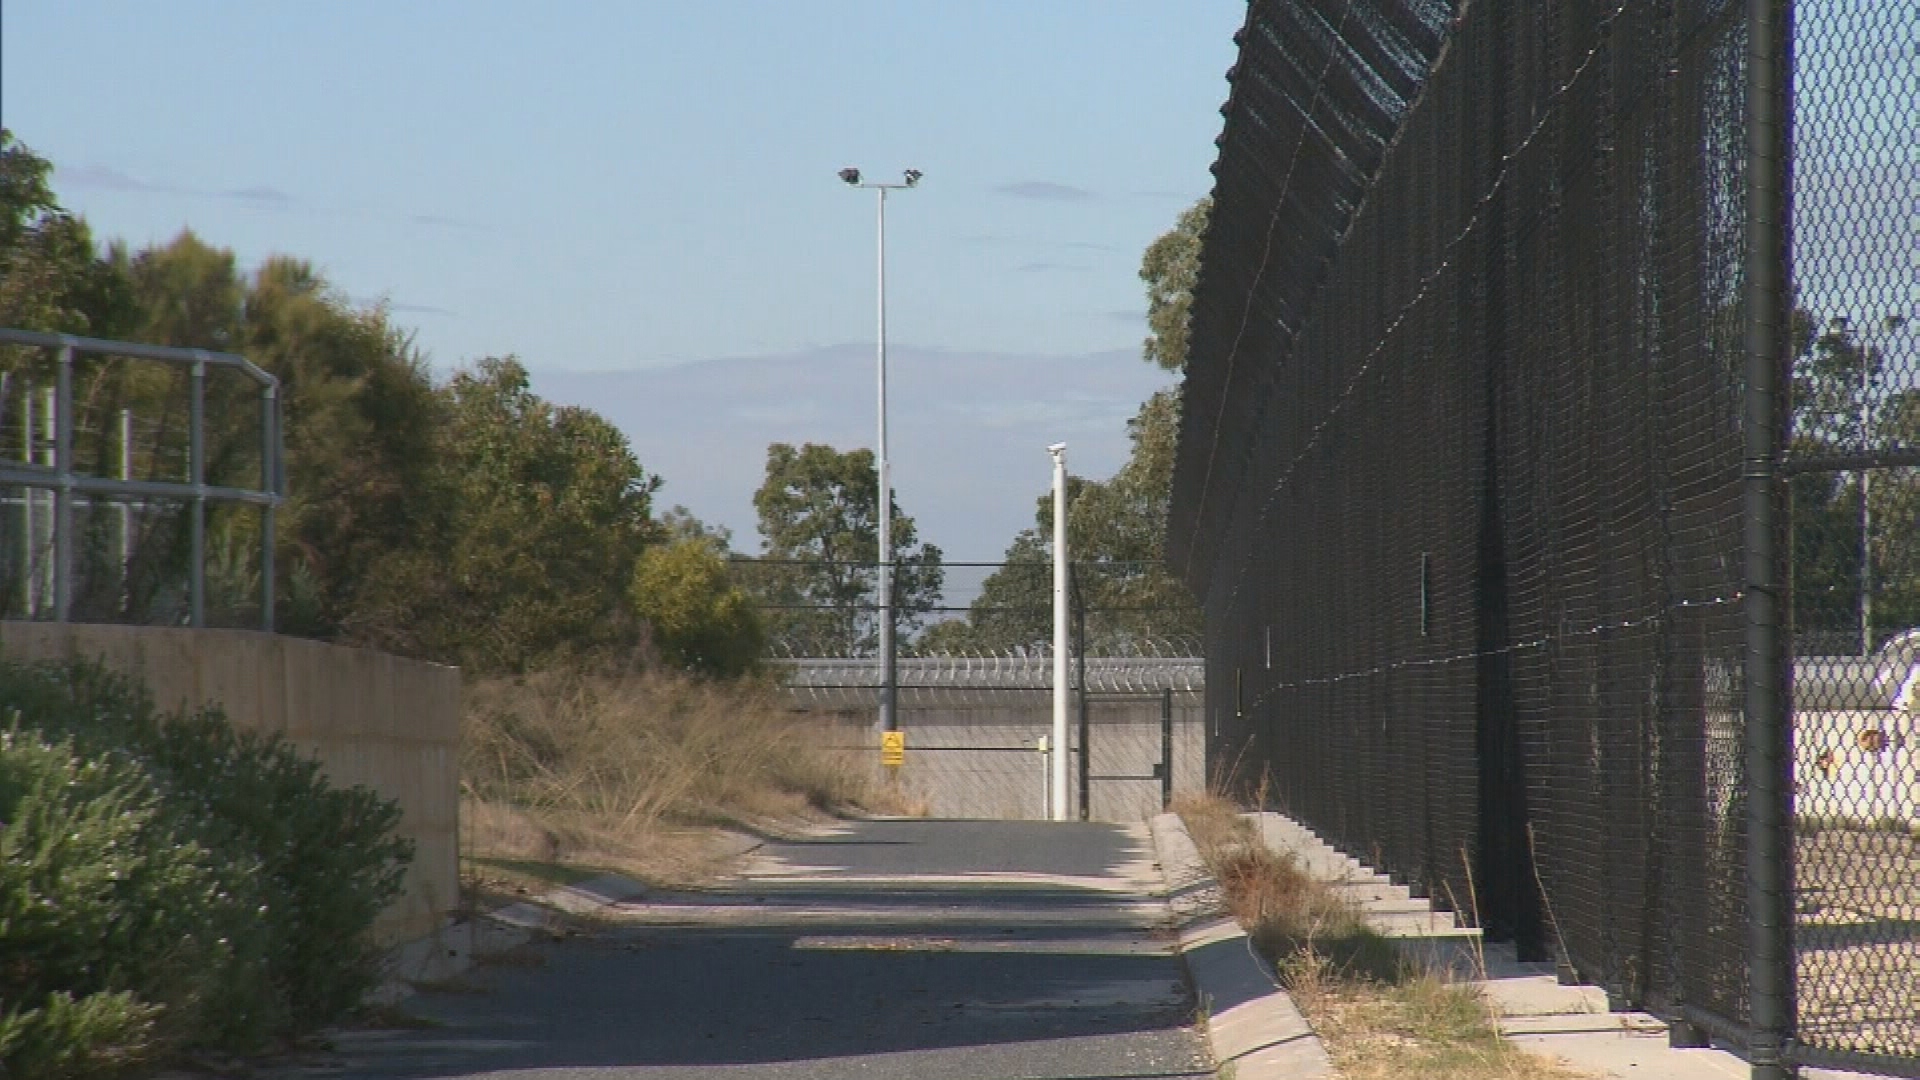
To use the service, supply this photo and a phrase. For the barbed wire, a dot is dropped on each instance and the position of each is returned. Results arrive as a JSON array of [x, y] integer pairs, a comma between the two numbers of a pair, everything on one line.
[[1537, 642], [1012, 670]]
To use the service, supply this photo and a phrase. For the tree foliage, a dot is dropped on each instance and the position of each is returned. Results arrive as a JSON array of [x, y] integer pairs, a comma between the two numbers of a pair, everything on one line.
[[1170, 268], [699, 618], [470, 522], [819, 518], [1116, 528], [51, 277], [539, 514], [1841, 406]]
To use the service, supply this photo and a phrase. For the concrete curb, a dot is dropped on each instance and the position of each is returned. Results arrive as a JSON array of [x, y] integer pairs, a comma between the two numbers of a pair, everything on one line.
[[1252, 1025], [453, 949]]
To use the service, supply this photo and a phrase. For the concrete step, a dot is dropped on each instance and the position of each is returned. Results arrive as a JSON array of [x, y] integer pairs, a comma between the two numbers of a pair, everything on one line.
[[1543, 996], [1378, 893], [1418, 924]]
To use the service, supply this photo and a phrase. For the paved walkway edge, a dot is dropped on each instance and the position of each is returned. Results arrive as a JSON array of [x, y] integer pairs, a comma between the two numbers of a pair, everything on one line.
[[456, 946], [1252, 1026]]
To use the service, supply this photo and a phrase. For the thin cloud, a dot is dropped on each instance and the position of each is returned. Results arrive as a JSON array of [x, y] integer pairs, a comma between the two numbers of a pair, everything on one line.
[[419, 309], [259, 194], [392, 308], [108, 178], [442, 222], [1045, 189], [104, 178]]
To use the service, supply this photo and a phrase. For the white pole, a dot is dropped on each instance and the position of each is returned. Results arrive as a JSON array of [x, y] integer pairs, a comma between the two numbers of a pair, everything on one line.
[[1046, 778], [1060, 644], [49, 444], [126, 505], [27, 497], [889, 719], [1866, 505]]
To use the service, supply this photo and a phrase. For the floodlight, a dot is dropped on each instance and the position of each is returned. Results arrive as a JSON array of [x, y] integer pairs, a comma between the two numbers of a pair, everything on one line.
[[913, 177], [851, 176]]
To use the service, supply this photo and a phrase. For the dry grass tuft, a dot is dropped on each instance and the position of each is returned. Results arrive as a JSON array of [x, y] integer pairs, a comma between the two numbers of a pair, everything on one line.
[[632, 772], [1379, 1018]]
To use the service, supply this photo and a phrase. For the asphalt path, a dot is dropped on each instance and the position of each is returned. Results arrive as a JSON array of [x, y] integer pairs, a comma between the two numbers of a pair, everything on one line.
[[883, 950]]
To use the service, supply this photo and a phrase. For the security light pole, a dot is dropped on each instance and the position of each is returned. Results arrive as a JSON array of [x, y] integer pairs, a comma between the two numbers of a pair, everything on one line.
[[889, 717]]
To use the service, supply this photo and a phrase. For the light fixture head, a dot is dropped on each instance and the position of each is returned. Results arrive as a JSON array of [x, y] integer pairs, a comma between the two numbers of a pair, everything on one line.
[[850, 175], [913, 177], [1057, 449]]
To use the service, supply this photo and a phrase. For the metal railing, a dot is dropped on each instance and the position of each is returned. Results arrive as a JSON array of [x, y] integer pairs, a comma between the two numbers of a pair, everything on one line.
[[69, 487]]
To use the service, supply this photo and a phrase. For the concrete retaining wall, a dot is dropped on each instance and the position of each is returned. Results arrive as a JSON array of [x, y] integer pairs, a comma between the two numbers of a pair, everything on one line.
[[389, 724]]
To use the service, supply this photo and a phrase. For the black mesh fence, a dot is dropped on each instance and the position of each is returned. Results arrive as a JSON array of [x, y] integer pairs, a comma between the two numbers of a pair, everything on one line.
[[1462, 472]]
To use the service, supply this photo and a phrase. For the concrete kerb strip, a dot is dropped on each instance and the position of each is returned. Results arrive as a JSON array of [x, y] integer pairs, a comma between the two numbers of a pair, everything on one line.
[[454, 948], [1252, 1025]]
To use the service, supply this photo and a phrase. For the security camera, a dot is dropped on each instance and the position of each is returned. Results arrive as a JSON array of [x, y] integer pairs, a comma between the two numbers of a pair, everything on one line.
[[913, 177], [851, 176], [1057, 448]]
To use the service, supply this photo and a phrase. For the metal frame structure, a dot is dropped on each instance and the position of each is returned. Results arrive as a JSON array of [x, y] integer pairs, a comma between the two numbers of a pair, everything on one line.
[[60, 478]]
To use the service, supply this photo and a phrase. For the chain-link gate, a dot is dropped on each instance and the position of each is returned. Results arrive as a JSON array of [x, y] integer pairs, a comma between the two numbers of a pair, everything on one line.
[[1123, 756]]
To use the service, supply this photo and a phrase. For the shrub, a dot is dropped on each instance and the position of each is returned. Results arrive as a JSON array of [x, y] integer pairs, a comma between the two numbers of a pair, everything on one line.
[[105, 908], [225, 889]]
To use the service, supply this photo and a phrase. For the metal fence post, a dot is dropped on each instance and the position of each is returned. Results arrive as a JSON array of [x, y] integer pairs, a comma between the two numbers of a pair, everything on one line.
[[63, 493], [197, 466], [27, 497], [269, 482], [1166, 749], [1086, 746], [1770, 968]]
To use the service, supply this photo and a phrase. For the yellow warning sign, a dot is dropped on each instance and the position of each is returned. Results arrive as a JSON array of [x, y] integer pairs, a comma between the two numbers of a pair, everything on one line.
[[893, 748]]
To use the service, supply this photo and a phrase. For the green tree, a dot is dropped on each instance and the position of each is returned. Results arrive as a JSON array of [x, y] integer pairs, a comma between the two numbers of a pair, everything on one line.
[[699, 619], [52, 279], [361, 416], [1115, 533], [360, 420], [679, 523], [819, 517], [544, 512], [1116, 529], [1170, 268], [1839, 407]]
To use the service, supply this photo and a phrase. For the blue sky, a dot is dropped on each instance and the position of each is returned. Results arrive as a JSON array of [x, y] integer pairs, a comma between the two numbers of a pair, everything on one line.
[[622, 188], [612, 185]]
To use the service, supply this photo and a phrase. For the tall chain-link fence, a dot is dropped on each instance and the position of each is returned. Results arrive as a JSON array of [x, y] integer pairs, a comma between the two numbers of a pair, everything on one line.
[[1855, 496], [1485, 482], [975, 680]]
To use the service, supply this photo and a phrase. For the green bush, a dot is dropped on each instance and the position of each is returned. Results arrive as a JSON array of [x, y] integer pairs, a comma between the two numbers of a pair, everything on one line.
[[104, 906], [170, 883]]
